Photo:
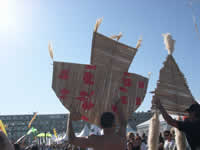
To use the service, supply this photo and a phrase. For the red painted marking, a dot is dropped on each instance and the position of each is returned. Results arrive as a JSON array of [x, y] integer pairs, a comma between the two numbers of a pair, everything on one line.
[[64, 74], [90, 105], [138, 101], [127, 74], [127, 82], [81, 98], [64, 92], [114, 108], [87, 78], [87, 105], [91, 94], [84, 118], [123, 89], [91, 67], [84, 96], [141, 84], [83, 93], [124, 99]]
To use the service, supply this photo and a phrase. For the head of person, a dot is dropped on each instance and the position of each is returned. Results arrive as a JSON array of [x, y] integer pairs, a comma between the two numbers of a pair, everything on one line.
[[194, 112], [143, 135], [17, 146], [167, 135], [130, 136], [107, 120], [138, 140]]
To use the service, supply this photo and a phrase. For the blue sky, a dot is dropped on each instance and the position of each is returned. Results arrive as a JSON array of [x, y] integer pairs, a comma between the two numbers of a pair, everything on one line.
[[27, 26]]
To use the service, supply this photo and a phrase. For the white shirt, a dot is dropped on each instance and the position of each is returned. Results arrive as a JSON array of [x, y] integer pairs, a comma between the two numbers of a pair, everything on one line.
[[169, 145], [143, 146]]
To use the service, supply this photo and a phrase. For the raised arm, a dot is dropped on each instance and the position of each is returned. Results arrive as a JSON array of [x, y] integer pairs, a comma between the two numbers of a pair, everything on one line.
[[165, 115], [78, 141]]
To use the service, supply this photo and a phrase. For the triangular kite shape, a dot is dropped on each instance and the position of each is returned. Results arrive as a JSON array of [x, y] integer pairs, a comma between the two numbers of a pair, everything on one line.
[[172, 88]]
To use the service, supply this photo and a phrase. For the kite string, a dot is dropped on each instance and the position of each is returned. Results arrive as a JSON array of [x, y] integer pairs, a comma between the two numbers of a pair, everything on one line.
[[194, 18]]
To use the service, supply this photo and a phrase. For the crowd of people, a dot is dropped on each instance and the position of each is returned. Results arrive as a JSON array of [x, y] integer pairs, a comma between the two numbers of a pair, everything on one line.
[[112, 140]]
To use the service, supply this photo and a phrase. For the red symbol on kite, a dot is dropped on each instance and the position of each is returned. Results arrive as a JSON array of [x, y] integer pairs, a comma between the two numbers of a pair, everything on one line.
[[141, 84], [91, 67], [127, 82], [127, 74], [138, 101], [64, 74], [87, 105], [123, 89], [124, 99], [64, 92], [87, 78], [84, 118], [84, 96], [114, 108]]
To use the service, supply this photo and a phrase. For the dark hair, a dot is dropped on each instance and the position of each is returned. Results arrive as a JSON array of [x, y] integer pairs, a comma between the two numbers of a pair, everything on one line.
[[17, 146], [167, 132], [107, 120]]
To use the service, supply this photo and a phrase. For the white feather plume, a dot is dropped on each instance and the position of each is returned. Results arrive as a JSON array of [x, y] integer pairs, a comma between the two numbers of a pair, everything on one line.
[[149, 74], [139, 43], [117, 36], [169, 43], [154, 130], [50, 48], [98, 22]]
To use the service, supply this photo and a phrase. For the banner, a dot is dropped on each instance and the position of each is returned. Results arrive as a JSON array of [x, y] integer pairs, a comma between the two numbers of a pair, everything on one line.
[[29, 125], [2, 128]]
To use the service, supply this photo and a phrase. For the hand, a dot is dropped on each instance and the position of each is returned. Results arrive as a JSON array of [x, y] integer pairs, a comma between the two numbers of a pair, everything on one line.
[[157, 102], [75, 116]]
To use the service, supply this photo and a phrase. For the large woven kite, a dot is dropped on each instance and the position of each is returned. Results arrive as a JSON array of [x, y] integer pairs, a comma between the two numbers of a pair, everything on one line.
[[96, 88], [172, 88]]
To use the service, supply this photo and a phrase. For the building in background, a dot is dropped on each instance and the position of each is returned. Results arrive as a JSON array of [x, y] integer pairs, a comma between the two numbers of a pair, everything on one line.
[[17, 125]]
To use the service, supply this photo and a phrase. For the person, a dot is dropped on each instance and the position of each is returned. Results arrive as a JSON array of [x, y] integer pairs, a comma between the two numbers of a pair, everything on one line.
[[130, 136], [191, 126], [110, 139], [142, 145], [161, 142], [4, 142], [130, 140], [169, 143], [130, 144], [144, 138]]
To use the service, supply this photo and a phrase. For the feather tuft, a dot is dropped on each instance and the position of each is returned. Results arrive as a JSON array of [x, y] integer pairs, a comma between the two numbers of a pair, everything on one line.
[[117, 36], [50, 48], [149, 74], [98, 22], [169, 43], [139, 43]]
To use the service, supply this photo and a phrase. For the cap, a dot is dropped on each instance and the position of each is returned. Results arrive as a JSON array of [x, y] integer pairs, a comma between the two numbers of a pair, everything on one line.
[[194, 108]]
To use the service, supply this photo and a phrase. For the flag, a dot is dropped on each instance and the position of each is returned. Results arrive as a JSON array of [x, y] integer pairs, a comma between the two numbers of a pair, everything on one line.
[[54, 131], [32, 130], [2, 127], [29, 125]]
